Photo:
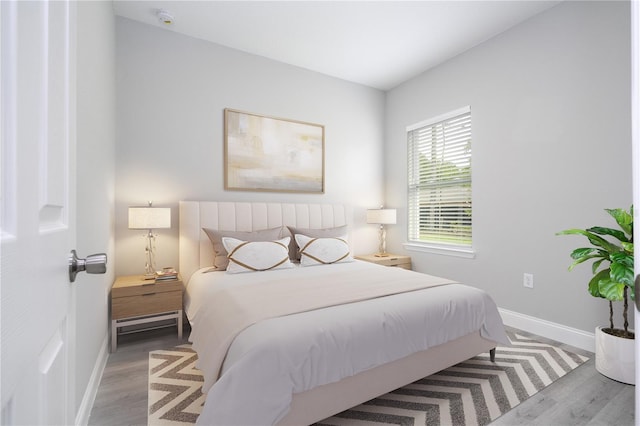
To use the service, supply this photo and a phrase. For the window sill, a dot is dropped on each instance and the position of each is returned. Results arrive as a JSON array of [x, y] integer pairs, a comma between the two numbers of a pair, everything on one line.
[[467, 253]]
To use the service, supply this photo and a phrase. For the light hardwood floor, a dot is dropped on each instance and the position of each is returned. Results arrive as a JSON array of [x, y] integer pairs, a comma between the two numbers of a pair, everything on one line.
[[583, 397]]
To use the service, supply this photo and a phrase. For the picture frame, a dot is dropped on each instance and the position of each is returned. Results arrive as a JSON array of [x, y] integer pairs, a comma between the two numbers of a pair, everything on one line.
[[263, 153]]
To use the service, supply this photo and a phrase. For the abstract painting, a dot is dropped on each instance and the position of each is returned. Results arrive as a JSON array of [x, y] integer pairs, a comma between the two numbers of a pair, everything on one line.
[[272, 154]]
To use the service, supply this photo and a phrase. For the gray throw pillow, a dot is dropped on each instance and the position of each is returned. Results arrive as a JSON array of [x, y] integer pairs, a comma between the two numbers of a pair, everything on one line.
[[220, 260]]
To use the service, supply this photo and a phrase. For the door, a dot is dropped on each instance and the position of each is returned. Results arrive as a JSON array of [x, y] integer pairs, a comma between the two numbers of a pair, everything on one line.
[[38, 211]]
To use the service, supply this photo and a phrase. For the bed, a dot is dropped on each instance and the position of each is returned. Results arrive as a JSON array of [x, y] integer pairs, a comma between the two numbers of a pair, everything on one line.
[[295, 359]]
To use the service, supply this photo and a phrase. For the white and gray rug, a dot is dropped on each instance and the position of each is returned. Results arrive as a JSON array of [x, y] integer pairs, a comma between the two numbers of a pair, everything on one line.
[[474, 392]]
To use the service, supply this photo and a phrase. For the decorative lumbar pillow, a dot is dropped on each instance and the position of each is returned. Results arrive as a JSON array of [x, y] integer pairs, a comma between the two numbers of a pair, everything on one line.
[[323, 251], [252, 256], [337, 232], [220, 260]]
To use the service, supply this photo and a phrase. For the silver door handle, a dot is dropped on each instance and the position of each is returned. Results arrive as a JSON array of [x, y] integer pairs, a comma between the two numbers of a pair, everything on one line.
[[94, 264]]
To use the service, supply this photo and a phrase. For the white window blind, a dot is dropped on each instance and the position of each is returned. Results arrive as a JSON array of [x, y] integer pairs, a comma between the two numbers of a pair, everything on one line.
[[439, 155]]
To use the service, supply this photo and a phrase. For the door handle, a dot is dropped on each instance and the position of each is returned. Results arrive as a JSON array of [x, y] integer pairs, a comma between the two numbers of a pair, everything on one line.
[[94, 264]]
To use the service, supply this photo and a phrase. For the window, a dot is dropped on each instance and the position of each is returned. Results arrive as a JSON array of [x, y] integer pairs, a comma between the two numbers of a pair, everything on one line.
[[439, 155]]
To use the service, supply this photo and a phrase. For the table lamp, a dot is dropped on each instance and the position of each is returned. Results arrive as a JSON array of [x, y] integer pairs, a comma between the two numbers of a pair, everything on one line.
[[149, 218], [382, 217]]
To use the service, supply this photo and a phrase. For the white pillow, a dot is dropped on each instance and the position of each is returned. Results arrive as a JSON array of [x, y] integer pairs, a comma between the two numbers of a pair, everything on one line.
[[251, 256], [294, 253], [323, 251]]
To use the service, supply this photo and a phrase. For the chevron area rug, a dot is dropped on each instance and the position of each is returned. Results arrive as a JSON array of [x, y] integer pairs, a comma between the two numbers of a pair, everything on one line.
[[474, 392]]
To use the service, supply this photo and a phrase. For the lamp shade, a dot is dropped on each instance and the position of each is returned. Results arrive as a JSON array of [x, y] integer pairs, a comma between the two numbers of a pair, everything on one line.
[[381, 216], [149, 217]]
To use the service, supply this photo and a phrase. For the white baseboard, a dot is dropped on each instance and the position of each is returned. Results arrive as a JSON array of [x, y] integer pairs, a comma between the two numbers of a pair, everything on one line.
[[561, 333], [82, 417]]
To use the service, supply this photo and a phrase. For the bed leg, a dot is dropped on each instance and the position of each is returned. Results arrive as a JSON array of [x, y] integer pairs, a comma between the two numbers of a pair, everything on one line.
[[492, 355]]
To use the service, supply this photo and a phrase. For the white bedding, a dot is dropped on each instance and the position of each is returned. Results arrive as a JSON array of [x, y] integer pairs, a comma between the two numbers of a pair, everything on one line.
[[275, 358]]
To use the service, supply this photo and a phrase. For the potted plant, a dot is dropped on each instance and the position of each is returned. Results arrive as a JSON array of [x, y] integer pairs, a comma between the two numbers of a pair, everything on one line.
[[612, 253]]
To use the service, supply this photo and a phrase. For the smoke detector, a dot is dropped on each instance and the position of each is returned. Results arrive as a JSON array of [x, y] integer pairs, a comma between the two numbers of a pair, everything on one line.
[[165, 17]]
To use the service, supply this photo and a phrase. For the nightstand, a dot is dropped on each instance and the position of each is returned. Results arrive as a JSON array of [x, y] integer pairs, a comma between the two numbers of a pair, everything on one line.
[[394, 260], [135, 301]]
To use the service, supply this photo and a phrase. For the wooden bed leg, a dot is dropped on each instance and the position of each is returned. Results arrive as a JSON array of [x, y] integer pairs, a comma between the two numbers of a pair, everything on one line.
[[492, 355]]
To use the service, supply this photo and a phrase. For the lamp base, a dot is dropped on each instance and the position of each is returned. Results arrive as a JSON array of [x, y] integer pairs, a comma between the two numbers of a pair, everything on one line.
[[149, 277], [381, 255]]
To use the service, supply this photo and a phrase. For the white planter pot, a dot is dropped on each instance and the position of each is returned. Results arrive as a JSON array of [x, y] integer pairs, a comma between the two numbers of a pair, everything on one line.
[[615, 357]]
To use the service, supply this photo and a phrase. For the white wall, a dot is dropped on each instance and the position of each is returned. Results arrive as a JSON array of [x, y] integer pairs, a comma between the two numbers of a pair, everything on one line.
[[95, 184], [171, 93], [551, 149]]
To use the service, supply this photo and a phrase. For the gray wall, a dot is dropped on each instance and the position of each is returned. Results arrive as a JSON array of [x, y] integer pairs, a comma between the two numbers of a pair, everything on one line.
[[551, 123], [550, 104], [171, 93], [95, 182]]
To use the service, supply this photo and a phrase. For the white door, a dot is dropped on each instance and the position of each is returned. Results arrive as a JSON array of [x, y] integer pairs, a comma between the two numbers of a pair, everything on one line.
[[38, 211]]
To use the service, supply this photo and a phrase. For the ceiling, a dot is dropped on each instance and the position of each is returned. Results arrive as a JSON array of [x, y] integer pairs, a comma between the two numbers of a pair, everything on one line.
[[375, 43]]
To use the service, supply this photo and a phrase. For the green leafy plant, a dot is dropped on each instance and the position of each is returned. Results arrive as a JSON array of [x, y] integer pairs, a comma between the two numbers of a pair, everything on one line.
[[612, 268]]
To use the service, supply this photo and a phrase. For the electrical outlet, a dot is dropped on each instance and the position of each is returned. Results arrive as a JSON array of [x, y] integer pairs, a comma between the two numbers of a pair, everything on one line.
[[528, 280]]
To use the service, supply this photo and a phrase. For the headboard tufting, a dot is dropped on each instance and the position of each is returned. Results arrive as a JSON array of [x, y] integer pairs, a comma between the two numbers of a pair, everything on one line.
[[195, 248]]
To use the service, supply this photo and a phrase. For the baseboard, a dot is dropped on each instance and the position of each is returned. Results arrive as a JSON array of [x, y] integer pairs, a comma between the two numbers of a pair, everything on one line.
[[82, 417], [561, 333]]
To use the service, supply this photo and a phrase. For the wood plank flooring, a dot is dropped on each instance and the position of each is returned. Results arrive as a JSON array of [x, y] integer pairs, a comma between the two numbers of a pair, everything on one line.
[[583, 397], [122, 394]]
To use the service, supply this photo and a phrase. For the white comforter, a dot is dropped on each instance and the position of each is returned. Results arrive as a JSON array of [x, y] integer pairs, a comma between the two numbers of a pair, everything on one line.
[[275, 358]]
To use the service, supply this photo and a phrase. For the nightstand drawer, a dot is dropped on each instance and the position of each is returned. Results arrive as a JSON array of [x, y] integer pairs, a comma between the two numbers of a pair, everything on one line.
[[402, 265], [395, 261], [146, 304]]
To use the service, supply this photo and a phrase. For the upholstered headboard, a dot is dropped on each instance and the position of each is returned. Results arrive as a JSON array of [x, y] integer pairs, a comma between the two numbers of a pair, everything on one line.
[[196, 250]]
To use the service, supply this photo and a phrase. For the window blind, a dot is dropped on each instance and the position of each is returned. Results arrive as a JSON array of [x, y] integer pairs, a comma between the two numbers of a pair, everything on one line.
[[439, 157]]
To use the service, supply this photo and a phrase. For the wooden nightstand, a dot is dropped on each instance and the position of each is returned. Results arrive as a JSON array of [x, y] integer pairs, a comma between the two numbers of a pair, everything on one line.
[[394, 260], [135, 300]]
